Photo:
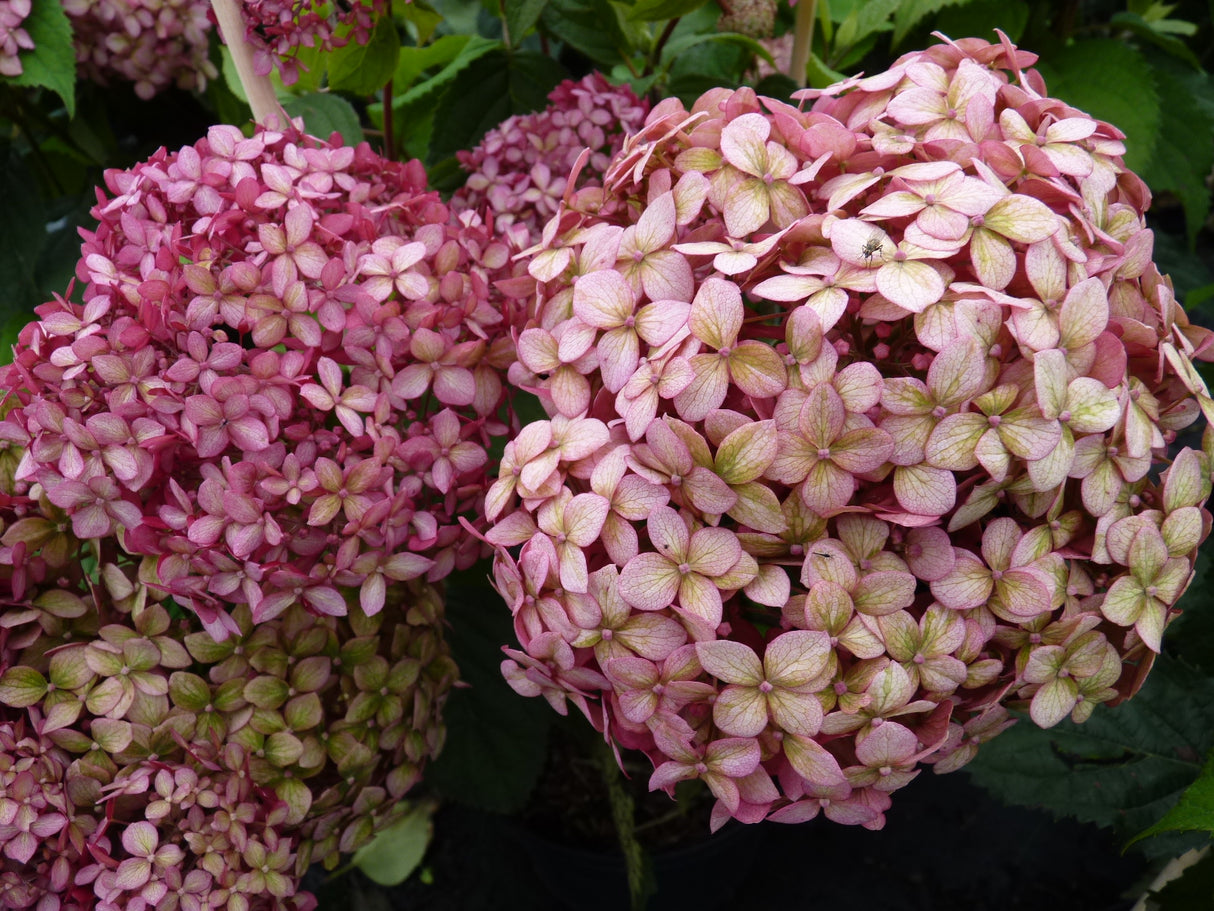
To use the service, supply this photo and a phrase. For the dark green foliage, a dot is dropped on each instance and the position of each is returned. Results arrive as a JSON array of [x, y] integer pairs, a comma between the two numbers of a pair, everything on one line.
[[22, 236], [1184, 149], [521, 17], [1192, 891], [1112, 81], [981, 17], [659, 10], [52, 62], [496, 740], [488, 91], [588, 26], [1125, 767], [912, 12], [1194, 812], [325, 114], [363, 69]]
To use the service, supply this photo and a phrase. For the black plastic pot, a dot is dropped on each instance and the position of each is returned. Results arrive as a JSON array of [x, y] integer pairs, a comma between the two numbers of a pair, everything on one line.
[[700, 877]]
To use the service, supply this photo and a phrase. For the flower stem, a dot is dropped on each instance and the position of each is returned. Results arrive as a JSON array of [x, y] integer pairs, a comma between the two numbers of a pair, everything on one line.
[[803, 39], [258, 89], [655, 56], [623, 814], [389, 137]]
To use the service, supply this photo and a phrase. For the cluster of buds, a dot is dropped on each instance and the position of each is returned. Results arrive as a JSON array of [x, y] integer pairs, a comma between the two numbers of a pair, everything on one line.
[[282, 381], [151, 43], [520, 171], [13, 38], [756, 18], [142, 760], [277, 29], [854, 411]]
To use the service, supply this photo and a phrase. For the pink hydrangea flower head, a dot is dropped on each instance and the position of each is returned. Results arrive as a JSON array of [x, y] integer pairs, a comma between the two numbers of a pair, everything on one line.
[[860, 399], [13, 38], [520, 172], [151, 43], [289, 359]]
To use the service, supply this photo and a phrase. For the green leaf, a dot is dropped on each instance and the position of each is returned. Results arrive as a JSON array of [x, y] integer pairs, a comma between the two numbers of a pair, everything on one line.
[[1194, 810], [324, 114], [777, 86], [461, 17], [394, 853], [472, 50], [1193, 889], [638, 33], [821, 75], [588, 26], [22, 239], [21, 687], [1125, 767], [61, 248], [496, 740], [364, 68], [52, 62], [487, 92], [866, 19], [1190, 275], [660, 10], [223, 100], [1112, 81], [708, 64], [1150, 31], [981, 17], [413, 61], [1183, 153], [420, 15], [672, 51], [911, 11], [521, 17]]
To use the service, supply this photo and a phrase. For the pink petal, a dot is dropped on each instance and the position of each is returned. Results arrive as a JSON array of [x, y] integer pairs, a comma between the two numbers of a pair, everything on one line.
[[731, 661], [912, 285], [740, 711], [649, 581]]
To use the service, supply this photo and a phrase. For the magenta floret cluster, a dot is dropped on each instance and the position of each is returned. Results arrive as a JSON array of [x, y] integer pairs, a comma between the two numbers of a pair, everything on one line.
[[13, 38], [277, 29], [520, 171], [281, 382], [857, 416], [154, 44]]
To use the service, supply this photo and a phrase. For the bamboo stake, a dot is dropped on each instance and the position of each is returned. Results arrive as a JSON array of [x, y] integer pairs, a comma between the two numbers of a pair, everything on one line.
[[258, 89], [803, 39]]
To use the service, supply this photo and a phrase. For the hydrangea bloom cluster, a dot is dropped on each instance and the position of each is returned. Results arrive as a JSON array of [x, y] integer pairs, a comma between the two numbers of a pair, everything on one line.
[[277, 29], [520, 171], [282, 380], [13, 38], [780, 49], [854, 411], [145, 764], [152, 43]]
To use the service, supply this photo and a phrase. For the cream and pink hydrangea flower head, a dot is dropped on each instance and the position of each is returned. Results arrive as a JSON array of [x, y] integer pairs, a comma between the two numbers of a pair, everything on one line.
[[864, 425]]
